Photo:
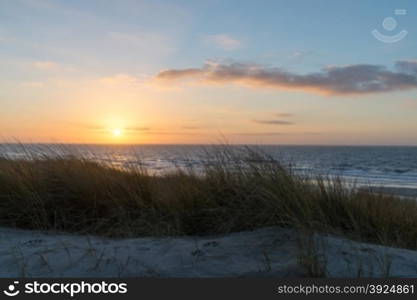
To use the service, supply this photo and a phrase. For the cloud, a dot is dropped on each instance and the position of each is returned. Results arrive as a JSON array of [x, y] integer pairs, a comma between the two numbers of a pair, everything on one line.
[[284, 115], [278, 133], [273, 122], [259, 133], [223, 41], [333, 80], [407, 65], [300, 54], [190, 127], [174, 133], [104, 128], [134, 129], [179, 74]]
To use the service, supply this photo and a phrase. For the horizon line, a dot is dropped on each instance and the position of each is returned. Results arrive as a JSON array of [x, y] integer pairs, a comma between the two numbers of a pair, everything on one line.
[[206, 144]]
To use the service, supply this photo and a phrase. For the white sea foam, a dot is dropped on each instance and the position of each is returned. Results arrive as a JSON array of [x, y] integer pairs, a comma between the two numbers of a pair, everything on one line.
[[378, 166]]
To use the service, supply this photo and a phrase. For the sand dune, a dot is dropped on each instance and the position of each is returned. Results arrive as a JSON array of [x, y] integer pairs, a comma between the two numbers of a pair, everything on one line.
[[268, 252]]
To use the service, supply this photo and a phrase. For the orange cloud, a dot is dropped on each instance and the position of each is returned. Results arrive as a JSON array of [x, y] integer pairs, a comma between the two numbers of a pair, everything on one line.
[[273, 122]]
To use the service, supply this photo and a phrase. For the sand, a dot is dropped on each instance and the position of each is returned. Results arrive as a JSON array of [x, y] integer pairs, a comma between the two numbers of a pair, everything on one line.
[[268, 252]]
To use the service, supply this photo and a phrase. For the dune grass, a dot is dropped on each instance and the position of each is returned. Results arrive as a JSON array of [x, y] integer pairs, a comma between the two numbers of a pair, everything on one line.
[[237, 189]]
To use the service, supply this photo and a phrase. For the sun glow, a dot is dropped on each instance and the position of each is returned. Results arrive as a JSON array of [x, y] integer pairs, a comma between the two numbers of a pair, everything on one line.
[[117, 132]]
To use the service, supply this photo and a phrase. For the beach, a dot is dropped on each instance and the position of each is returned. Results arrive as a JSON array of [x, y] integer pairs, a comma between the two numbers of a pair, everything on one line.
[[242, 213], [264, 253]]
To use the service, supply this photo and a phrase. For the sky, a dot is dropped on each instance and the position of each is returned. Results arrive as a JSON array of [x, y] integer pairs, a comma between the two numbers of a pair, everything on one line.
[[196, 72]]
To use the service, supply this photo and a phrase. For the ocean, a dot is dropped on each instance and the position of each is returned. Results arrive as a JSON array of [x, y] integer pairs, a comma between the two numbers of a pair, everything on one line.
[[383, 166]]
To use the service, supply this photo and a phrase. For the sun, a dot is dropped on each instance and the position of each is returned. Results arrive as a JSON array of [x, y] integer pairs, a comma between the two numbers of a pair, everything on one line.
[[117, 132]]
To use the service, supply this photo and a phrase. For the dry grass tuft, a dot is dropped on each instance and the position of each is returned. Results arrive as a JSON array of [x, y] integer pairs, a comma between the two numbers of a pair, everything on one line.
[[238, 189]]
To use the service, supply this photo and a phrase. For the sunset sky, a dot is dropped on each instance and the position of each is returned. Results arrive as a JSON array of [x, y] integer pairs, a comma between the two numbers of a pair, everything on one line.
[[263, 72]]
